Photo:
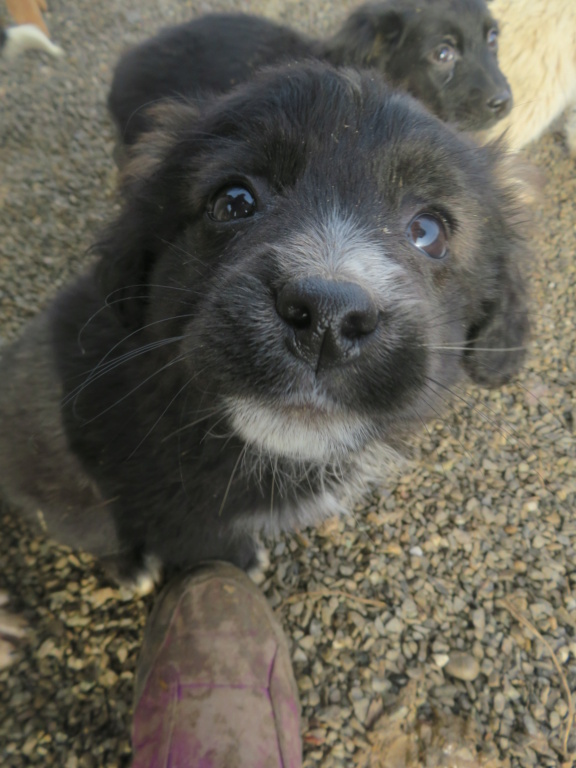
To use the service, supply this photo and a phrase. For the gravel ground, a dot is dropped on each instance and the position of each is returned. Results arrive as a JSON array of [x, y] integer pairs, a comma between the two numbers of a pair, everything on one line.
[[439, 617]]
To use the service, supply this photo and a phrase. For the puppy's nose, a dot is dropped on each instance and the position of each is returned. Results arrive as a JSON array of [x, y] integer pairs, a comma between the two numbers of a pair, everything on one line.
[[500, 104], [329, 319]]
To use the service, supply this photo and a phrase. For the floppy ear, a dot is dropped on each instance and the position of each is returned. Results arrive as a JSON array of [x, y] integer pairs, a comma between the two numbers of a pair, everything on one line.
[[165, 120], [150, 214], [368, 37], [497, 343]]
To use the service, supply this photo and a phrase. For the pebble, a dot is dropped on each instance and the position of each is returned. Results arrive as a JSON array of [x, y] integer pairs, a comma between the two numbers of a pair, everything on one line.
[[479, 621], [441, 659], [361, 709], [395, 626], [499, 703], [462, 666]]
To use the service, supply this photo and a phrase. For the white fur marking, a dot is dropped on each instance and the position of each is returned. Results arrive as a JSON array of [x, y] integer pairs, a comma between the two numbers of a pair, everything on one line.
[[300, 432], [25, 37], [339, 248]]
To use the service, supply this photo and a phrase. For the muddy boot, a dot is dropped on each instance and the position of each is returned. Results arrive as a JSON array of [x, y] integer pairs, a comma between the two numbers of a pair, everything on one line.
[[214, 684]]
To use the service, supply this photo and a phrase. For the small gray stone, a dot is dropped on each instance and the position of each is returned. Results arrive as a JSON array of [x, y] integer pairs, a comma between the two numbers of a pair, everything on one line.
[[499, 703], [395, 626], [462, 666]]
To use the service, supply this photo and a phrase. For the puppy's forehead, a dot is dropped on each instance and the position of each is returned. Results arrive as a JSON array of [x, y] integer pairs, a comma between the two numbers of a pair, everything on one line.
[[464, 19], [342, 129], [332, 134], [452, 8]]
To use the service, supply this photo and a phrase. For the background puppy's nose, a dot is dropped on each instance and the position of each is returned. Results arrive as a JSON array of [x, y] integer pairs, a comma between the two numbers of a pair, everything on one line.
[[329, 319], [501, 103]]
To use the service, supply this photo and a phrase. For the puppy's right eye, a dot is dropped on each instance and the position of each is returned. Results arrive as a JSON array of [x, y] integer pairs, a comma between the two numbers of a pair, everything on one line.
[[444, 54], [231, 203]]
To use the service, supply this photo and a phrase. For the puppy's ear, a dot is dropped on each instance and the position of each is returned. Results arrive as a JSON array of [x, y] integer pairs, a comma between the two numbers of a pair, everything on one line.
[[497, 341], [151, 211], [165, 120], [368, 37]]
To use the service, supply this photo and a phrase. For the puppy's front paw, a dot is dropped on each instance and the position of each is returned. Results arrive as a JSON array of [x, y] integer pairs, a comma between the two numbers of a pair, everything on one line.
[[12, 629], [257, 571], [143, 580]]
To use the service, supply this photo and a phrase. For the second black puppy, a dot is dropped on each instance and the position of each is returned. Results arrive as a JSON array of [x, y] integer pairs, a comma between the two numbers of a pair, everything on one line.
[[301, 271], [443, 52]]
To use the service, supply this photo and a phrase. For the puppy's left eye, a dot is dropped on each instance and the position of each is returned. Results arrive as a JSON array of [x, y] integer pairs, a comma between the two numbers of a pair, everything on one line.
[[428, 233], [492, 38], [231, 203], [444, 54]]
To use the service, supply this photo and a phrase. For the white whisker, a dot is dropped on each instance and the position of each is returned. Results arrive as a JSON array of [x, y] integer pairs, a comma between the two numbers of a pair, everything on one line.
[[472, 348], [176, 360], [97, 372], [159, 419]]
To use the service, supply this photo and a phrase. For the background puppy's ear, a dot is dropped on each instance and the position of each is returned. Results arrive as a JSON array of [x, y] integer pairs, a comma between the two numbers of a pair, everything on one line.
[[368, 37], [151, 212]]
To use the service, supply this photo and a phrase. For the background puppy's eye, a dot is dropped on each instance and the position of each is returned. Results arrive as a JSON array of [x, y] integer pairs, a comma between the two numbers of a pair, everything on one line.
[[428, 233], [492, 38], [444, 54], [234, 202]]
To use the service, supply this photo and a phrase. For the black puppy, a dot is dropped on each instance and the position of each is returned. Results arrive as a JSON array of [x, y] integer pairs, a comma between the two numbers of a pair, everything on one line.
[[444, 52], [301, 271]]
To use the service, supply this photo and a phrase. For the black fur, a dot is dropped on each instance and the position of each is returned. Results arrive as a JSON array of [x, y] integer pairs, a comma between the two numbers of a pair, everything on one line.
[[399, 38], [121, 409]]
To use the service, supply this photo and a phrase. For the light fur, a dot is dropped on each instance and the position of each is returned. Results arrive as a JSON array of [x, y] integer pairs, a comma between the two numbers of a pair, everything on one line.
[[538, 56], [27, 37]]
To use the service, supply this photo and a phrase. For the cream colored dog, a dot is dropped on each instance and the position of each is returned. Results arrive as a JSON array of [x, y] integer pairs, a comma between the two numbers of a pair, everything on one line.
[[28, 12], [537, 54]]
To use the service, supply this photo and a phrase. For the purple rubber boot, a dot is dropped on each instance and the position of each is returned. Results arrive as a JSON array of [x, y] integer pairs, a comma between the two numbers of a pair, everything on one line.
[[214, 685]]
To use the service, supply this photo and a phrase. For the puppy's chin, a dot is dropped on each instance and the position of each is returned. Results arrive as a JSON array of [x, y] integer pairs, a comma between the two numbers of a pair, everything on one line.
[[310, 432]]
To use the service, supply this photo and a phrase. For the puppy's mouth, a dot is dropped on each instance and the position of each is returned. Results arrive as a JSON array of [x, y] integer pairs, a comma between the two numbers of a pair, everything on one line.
[[311, 429]]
